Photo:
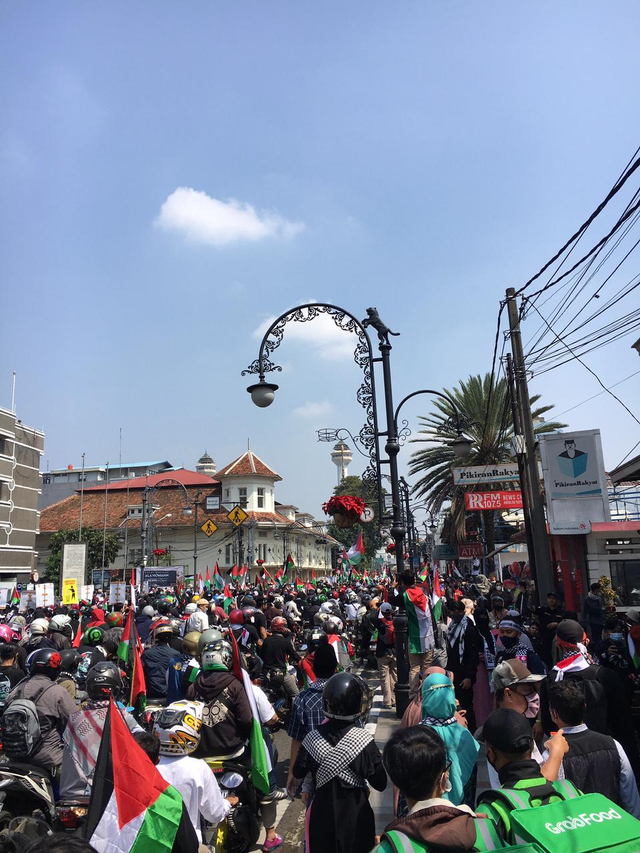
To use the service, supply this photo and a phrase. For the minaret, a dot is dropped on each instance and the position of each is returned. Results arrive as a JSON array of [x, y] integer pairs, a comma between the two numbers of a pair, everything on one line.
[[206, 465], [341, 457]]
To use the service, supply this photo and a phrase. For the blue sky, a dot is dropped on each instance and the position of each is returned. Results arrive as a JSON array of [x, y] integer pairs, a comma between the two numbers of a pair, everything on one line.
[[416, 156]]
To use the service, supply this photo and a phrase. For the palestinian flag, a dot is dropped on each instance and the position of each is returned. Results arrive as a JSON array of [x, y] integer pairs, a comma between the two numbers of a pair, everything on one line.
[[345, 565], [138, 695], [133, 809], [288, 566], [217, 578], [260, 761], [420, 626], [235, 571], [15, 597], [125, 641], [436, 596], [356, 552], [299, 584], [313, 577], [207, 581], [632, 651], [228, 599]]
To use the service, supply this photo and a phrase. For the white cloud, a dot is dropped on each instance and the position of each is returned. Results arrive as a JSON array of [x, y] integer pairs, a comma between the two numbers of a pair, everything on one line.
[[203, 219], [329, 342], [314, 411]]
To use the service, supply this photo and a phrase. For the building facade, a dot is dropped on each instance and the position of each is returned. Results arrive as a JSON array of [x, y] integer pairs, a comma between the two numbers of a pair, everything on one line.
[[20, 483], [165, 519], [61, 483]]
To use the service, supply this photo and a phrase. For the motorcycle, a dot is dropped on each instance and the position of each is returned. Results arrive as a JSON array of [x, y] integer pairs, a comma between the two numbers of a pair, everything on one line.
[[25, 790], [239, 831], [151, 713], [273, 686]]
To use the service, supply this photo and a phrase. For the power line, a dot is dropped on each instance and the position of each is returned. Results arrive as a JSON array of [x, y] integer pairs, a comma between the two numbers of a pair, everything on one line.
[[592, 372], [599, 394]]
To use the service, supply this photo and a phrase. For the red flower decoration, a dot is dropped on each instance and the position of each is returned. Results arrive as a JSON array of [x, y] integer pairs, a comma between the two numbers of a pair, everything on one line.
[[159, 552], [344, 505], [260, 562]]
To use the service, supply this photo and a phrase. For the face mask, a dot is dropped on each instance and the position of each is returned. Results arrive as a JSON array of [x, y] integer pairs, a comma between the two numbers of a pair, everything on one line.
[[533, 706], [616, 638], [508, 642]]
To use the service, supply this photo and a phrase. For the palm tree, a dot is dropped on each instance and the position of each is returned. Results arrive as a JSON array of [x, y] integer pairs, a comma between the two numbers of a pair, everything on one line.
[[485, 413]]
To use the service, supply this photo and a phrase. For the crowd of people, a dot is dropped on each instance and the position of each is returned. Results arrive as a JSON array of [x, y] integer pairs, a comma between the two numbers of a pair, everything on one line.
[[542, 695]]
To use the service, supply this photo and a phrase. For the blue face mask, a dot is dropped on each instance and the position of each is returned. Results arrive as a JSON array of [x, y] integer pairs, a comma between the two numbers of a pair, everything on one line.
[[616, 638]]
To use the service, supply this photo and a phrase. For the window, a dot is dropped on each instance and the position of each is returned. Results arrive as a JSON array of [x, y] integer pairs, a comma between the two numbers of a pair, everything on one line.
[[46, 479], [625, 580], [242, 497], [5, 493], [6, 446], [260, 497], [262, 534], [227, 494], [227, 555]]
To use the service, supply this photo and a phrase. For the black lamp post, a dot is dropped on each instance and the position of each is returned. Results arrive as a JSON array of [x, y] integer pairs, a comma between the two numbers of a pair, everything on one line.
[[263, 394]]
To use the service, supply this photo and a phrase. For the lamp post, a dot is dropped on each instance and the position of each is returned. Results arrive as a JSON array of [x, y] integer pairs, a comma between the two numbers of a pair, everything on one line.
[[147, 494], [263, 394], [196, 504]]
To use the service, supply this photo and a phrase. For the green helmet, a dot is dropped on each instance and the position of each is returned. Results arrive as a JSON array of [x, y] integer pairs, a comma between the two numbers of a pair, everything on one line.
[[322, 599], [211, 635], [92, 636]]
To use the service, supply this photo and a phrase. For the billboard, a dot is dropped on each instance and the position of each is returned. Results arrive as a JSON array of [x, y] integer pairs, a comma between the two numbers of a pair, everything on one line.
[[493, 500], [160, 577], [574, 480], [470, 550], [74, 561], [486, 473]]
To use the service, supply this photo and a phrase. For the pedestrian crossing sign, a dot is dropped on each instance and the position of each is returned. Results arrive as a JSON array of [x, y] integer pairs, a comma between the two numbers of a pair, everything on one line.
[[209, 527], [237, 515]]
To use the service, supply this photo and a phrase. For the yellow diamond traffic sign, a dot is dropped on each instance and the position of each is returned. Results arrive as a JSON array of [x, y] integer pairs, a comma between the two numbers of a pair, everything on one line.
[[237, 515], [209, 527]]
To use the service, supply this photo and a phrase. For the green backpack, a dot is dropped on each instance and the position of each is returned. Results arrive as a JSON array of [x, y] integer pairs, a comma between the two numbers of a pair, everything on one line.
[[571, 822], [487, 839]]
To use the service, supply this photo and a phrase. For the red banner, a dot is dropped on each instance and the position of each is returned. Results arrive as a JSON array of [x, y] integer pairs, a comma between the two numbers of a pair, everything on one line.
[[493, 500]]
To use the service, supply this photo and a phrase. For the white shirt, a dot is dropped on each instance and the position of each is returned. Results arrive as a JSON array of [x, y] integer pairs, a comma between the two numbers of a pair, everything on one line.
[[352, 612], [628, 788], [266, 711], [198, 621], [193, 779]]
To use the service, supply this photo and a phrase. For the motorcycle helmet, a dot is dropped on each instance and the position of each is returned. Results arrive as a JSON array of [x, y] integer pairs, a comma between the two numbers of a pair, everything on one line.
[[162, 628], [82, 670], [92, 636], [278, 601], [69, 659], [320, 618], [163, 607], [249, 614], [236, 617], [59, 622], [344, 697], [190, 608], [102, 679], [115, 619], [333, 625], [190, 643], [6, 634], [148, 611], [177, 727], [44, 662], [175, 626], [39, 626], [248, 601], [279, 625], [211, 635], [316, 637], [217, 657]]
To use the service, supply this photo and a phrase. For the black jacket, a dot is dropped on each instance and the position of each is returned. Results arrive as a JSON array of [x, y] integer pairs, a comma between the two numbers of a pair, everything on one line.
[[275, 651], [156, 662], [227, 718]]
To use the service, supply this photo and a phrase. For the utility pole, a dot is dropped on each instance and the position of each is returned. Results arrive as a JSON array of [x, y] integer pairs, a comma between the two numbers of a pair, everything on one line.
[[536, 520]]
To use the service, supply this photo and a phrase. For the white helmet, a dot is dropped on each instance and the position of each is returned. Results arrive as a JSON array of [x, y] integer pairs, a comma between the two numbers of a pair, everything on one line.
[[191, 608], [148, 611], [333, 625], [177, 727], [39, 626], [278, 602], [60, 621]]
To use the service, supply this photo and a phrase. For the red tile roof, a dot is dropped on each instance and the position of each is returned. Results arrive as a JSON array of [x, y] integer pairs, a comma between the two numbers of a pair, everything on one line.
[[248, 465], [182, 475]]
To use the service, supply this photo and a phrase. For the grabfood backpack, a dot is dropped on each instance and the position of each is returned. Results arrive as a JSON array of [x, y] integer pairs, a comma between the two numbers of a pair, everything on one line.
[[487, 839], [24, 727], [572, 823]]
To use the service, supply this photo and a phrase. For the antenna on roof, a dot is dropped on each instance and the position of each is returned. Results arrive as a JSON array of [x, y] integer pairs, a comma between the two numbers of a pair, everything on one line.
[[248, 444]]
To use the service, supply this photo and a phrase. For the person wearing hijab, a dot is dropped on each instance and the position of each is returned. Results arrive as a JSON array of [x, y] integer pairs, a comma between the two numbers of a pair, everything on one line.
[[438, 712]]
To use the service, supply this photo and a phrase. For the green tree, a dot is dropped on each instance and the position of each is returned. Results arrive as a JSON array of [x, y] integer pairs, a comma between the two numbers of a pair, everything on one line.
[[94, 540], [370, 531], [485, 412]]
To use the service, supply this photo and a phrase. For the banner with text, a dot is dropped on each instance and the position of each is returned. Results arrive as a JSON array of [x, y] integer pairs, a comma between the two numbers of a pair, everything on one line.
[[493, 500], [486, 473]]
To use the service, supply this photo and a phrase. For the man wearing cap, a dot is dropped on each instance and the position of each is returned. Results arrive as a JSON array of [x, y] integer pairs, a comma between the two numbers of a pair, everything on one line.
[[199, 621], [509, 744], [385, 653], [607, 708], [517, 689]]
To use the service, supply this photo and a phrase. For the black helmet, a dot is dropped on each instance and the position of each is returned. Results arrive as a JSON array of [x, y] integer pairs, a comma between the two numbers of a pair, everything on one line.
[[316, 637], [44, 662], [163, 606], [248, 601], [343, 697], [69, 660], [103, 678]]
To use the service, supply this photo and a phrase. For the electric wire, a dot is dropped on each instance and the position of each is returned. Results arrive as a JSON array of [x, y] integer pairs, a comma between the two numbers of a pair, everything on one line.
[[599, 394]]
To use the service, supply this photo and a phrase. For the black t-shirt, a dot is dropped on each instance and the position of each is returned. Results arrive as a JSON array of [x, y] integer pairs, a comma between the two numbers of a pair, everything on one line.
[[260, 621], [13, 673], [276, 649]]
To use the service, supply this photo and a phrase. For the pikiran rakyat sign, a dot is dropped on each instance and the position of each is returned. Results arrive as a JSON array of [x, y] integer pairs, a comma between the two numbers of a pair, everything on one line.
[[486, 473], [574, 480]]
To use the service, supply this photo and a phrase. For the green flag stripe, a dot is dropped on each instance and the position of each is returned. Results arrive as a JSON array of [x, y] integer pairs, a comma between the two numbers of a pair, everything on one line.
[[160, 824]]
